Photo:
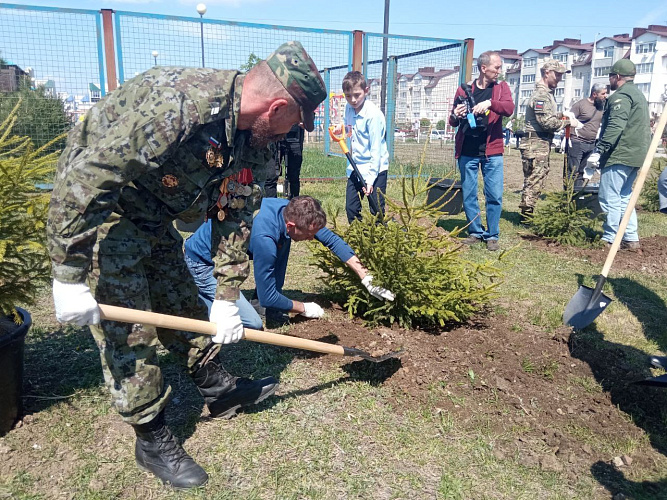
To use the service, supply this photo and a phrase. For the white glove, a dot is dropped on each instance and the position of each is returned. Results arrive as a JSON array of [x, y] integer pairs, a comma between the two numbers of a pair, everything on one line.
[[75, 304], [592, 164], [225, 315], [376, 291], [573, 119], [312, 310]]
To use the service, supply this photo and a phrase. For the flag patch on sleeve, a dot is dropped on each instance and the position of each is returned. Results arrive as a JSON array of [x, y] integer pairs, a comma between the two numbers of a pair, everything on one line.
[[539, 105]]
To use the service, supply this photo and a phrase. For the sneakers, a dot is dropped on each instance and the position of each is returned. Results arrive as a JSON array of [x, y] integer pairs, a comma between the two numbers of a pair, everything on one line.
[[157, 451], [225, 395], [471, 240], [492, 245]]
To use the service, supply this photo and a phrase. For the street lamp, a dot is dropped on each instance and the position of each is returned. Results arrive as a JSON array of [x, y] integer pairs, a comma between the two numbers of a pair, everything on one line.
[[155, 53], [201, 10]]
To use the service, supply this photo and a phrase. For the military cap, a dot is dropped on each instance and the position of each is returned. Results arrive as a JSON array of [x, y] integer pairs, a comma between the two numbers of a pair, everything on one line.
[[623, 67], [557, 66], [297, 72]]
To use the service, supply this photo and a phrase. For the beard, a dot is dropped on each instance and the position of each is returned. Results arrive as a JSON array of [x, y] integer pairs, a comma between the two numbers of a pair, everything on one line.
[[260, 134], [599, 104]]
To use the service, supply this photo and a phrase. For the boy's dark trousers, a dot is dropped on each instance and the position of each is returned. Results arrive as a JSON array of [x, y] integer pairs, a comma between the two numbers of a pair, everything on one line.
[[353, 203]]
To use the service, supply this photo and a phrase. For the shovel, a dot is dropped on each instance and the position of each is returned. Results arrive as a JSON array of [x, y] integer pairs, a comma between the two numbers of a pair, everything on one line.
[[125, 315], [356, 176], [588, 303]]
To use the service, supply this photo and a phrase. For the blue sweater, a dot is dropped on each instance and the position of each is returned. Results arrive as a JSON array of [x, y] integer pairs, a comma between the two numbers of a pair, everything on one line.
[[269, 248]]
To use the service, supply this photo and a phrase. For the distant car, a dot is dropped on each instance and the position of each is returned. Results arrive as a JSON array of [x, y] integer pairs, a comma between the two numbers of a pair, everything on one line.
[[438, 134], [399, 134]]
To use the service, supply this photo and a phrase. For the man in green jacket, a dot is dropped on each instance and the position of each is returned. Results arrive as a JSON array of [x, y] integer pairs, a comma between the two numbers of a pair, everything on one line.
[[624, 141]]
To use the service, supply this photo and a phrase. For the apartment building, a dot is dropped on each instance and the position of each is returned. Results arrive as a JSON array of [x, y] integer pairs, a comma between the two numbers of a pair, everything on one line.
[[590, 63]]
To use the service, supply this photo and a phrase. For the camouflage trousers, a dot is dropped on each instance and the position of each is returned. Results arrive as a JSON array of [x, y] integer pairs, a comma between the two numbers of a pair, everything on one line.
[[535, 159], [135, 269]]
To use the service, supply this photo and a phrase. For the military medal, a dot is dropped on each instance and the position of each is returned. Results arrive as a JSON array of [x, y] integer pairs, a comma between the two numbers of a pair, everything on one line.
[[221, 215]]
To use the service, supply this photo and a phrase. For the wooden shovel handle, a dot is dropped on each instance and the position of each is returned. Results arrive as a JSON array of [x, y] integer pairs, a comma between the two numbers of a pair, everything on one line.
[[635, 193], [125, 315]]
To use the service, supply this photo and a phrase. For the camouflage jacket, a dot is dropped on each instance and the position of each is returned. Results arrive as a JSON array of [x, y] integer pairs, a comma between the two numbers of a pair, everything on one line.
[[140, 154], [541, 114]]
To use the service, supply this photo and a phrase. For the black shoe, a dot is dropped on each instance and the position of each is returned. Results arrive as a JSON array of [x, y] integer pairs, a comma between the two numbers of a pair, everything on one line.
[[158, 452], [526, 216], [224, 394]]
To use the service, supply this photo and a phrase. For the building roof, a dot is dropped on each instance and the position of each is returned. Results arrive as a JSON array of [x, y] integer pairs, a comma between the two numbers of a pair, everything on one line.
[[539, 51], [657, 29]]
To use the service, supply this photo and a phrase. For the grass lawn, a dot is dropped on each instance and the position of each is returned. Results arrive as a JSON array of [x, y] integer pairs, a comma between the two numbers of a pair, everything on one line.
[[522, 406]]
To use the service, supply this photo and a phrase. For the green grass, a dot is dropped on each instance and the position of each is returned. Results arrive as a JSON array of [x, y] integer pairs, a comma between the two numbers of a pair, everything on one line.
[[329, 435]]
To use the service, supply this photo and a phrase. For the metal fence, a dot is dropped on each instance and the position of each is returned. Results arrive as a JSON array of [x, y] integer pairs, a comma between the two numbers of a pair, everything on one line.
[[422, 77], [62, 58], [53, 59]]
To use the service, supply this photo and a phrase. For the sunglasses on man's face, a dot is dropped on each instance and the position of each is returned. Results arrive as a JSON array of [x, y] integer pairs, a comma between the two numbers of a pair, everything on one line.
[[615, 75]]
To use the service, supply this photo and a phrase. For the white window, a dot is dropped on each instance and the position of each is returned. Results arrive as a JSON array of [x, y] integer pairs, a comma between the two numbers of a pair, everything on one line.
[[512, 81], [559, 92], [560, 57], [559, 107], [643, 48], [522, 109], [645, 68], [577, 92], [530, 62], [645, 88], [526, 93], [602, 71], [528, 78], [608, 52]]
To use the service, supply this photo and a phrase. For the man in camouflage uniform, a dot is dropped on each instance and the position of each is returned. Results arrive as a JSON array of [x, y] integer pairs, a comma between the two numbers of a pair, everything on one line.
[[170, 143], [542, 121]]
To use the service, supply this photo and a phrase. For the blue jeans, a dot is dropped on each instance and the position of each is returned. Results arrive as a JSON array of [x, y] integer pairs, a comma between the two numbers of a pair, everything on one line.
[[492, 173], [615, 192], [206, 283]]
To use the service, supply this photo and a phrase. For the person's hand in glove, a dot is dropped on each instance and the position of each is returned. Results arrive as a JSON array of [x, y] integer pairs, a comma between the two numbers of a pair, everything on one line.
[[376, 291], [312, 310], [592, 164], [573, 120], [75, 304], [225, 315]]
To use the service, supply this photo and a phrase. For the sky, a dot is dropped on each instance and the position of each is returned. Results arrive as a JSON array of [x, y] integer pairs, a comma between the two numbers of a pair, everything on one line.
[[520, 25]]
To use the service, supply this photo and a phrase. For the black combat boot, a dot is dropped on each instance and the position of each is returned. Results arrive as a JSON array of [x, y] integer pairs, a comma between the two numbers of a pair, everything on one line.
[[527, 216], [157, 451], [224, 394]]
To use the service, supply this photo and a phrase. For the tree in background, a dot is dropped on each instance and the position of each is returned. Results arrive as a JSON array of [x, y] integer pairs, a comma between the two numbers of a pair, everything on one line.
[[251, 63], [424, 123], [441, 125], [41, 116]]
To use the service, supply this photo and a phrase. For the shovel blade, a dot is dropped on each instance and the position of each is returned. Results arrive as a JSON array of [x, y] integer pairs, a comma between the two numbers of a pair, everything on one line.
[[584, 307], [351, 351]]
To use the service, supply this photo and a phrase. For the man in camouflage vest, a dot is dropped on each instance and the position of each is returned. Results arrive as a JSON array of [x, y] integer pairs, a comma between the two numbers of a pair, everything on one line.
[[542, 121], [170, 143]]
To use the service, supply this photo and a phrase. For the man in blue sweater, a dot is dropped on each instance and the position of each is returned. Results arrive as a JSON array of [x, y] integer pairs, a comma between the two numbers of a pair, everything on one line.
[[277, 224]]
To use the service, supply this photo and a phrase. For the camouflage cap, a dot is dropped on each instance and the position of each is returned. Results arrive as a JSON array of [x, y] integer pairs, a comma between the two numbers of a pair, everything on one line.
[[297, 72], [623, 67], [554, 65]]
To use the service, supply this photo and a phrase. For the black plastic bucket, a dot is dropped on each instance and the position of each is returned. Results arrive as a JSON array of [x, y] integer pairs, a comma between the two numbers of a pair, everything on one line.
[[11, 373], [452, 201], [588, 198]]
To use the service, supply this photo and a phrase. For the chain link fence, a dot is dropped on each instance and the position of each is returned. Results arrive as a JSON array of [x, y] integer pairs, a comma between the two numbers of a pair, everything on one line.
[[422, 77], [54, 59], [51, 59]]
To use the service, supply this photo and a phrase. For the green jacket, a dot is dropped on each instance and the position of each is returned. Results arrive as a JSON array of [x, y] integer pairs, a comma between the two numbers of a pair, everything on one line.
[[625, 133]]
